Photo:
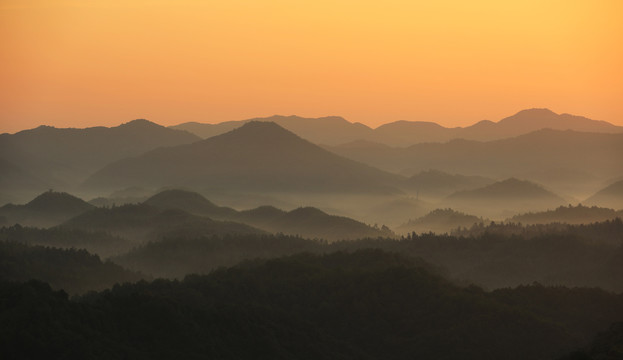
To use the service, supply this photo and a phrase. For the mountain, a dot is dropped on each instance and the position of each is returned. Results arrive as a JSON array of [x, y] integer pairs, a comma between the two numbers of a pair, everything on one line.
[[569, 215], [365, 305], [48, 209], [142, 222], [530, 120], [435, 183], [323, 130], [586, 158], [74, 271], [190, 202], [610, 196], [510, 195], [257, 157], [68, 156], [440, 221], [311, 223], [307, 222], [334, 130]]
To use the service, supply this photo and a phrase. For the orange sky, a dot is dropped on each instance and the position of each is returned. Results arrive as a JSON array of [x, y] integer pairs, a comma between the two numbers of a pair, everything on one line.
[[92, 62]]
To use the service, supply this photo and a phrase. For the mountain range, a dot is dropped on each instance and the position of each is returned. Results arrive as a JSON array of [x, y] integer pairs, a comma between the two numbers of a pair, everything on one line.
[[48, 209], [335, 130], [48, 157], [574, 162], [259, 157]]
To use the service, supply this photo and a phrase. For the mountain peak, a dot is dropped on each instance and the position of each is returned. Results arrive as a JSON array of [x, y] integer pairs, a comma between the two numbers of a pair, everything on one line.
[[139, 123], [57, 201], [535, 112]]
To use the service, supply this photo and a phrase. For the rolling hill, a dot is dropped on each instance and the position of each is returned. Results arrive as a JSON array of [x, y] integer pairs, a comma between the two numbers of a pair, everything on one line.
[[335, 130], [440, 221], [67, 156], [307, 222], [574, 161], [48, 209], [610, 196], [142, 222], [569, 215], [507, 196], [257, 157]]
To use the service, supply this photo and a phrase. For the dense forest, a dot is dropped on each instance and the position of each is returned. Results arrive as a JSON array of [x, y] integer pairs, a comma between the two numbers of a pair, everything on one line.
[[367, 304]]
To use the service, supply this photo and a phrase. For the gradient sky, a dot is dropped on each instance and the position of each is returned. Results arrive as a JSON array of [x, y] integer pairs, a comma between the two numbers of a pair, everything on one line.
[[90, 62]]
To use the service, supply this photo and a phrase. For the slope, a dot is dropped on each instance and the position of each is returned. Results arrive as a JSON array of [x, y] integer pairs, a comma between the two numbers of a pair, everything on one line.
[[258, 156], [48, 209]]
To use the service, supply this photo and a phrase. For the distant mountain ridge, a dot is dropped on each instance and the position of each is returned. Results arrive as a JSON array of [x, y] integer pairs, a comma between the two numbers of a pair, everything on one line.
[[510, 194], [66, 156], [335, 130], [258, 156], [610, 196], [583, 159], [47, 209], [307, 222]]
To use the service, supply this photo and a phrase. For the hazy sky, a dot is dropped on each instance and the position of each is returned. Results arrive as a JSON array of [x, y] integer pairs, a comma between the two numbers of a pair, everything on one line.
[[90, 62]]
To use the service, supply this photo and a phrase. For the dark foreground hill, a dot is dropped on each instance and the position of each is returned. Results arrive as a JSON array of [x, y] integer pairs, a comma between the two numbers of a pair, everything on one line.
[[47, 209], [569, 215], [257, 157], [366, 305], [74, 271]]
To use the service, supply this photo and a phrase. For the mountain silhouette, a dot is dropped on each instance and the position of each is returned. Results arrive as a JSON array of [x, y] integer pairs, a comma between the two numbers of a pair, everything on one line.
[[440, 221], [68, 156], [532, 156], [335, 130], [190, 202], [435, 183], [323, 130], [611, 196], [142, 222], [507, 195], [569, 215], [259, 156], [307, 222], [48, 209]]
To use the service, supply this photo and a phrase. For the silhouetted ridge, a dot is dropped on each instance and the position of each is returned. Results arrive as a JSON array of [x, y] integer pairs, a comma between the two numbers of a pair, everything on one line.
[[58, 201], [259, 156], [48, 209], [610, 196], [189, 201]]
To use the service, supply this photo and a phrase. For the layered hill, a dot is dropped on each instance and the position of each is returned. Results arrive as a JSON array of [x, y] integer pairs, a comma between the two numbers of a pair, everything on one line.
[[569, 215], [323, 130], [67, 156], [573, 161], [435, 183], [48, 209], [510, 195], [142, 222], [259, 156], [307, 222], [334, 130], [440, 221], [610, 196]]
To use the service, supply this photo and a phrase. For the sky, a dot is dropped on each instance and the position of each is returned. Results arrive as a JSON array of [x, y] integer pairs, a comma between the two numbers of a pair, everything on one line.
[[91, 62]]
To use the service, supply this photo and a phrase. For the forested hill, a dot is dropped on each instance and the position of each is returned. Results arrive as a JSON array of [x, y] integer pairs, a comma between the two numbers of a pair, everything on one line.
[[366, 305]]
